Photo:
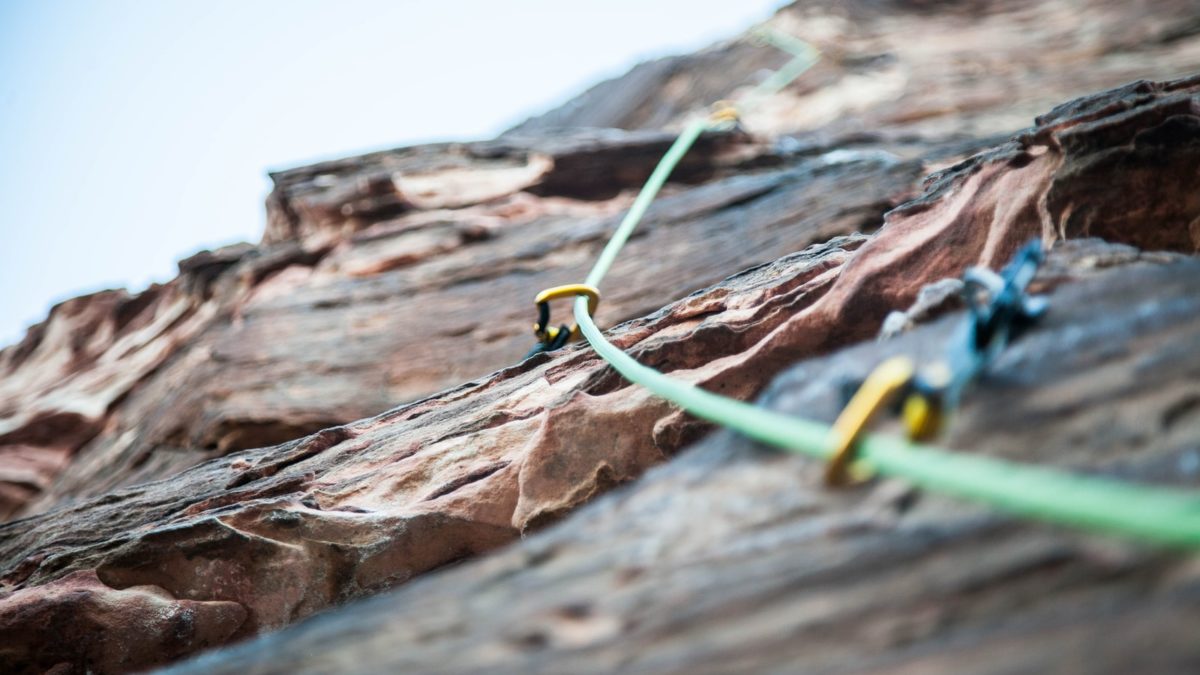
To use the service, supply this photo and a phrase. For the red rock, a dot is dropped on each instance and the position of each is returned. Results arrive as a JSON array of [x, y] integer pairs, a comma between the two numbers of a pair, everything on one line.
[[78, 623], [212, 439], [735, 558]]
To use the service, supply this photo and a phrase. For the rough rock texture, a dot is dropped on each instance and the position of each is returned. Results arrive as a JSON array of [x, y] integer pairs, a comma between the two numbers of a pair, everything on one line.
[[896, 68], [288, 530], [366, 290], [734, 558], [254, 346], [80, 619], [162, 449]]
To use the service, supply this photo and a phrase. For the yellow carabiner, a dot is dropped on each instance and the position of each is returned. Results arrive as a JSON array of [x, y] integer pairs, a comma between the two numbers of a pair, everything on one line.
[[923, 415], [877, 391], [724, 112], [542, 329]]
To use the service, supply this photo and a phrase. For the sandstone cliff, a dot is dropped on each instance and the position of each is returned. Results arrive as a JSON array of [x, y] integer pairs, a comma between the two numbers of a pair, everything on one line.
[[285, 427]]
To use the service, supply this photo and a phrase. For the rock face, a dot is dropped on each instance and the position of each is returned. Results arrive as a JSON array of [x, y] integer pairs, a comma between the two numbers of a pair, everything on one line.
[[734, 558], [328, 319], [284, 427], [897, 68], [255, 346]]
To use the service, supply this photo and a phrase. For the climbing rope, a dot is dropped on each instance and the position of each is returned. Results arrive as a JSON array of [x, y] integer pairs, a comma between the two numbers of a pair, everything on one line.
[[1098, 504]]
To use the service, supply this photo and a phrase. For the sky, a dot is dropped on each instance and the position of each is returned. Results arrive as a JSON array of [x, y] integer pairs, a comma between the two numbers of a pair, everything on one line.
[[133, 133]]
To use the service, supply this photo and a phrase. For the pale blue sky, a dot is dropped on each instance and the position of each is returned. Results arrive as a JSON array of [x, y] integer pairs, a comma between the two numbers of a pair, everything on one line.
[[133, 133]]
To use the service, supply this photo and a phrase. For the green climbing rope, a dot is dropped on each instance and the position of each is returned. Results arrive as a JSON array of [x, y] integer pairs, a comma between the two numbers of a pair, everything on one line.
[[1159, 515]]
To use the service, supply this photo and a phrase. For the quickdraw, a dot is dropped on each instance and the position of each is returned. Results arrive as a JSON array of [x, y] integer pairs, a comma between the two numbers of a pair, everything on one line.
[[999, 309]]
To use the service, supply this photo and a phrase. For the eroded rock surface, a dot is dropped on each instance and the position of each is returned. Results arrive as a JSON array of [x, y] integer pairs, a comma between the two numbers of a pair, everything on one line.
[[288, 530], [366, 290], [284, 427], [734, 558], [895, 68], [78, 620], [256, 346]]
